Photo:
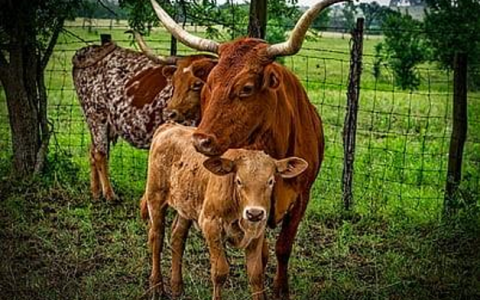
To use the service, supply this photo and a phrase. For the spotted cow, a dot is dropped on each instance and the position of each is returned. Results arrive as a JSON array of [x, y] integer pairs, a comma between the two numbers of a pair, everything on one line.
[[123, 93]]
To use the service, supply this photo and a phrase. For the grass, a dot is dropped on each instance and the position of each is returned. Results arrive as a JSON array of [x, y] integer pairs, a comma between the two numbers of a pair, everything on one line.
[[57, 243]]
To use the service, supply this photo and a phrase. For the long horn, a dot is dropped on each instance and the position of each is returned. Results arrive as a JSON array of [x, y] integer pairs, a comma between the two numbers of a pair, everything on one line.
[[295, 41], [169, 60], [183, 36]]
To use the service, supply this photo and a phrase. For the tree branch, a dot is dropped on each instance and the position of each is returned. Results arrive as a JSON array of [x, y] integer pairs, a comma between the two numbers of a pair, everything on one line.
[[51, 44], [107, 8]]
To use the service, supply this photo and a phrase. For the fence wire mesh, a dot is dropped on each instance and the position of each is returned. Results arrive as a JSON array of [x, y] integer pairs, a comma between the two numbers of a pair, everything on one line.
[[402, 136]]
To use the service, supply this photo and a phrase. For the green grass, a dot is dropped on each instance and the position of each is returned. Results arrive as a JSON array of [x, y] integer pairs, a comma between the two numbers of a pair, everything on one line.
[[57, 243]]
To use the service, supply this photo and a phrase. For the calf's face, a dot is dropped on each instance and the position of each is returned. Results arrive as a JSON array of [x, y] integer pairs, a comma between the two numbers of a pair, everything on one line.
[[253, 182], [187, 80]]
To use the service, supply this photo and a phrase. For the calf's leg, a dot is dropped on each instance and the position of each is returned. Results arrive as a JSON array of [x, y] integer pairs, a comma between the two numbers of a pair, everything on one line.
[[218, 261], [180, 228], [256, 268], [284, 245], [155, 239]]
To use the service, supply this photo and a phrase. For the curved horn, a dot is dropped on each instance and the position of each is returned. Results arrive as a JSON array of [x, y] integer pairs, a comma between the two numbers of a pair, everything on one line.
[[294, 42], [180, 34], [169, 60]]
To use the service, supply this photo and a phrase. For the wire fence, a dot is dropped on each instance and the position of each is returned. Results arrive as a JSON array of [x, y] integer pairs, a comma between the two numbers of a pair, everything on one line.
[[402, 136]]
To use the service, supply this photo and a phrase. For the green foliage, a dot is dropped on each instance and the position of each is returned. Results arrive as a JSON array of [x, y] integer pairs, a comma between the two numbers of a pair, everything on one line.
[[93, 9], [349, 11], [374, 14], [403, 49], [38, 18], [453, 26]]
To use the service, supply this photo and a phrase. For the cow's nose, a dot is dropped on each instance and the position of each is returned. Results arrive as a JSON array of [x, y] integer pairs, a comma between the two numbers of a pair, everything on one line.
[[203, 143], [255, 214]]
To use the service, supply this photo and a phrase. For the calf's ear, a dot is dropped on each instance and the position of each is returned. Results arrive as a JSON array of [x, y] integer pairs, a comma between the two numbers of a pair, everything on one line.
[[168, 71], [291, 167], [219, 166]]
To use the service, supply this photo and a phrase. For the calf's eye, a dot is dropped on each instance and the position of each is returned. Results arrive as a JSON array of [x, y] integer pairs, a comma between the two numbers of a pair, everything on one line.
[[197, 85], [238, 182], [271, 181]]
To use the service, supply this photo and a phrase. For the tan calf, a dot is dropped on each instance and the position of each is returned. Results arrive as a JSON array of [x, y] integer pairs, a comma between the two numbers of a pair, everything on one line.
[[229, 198]]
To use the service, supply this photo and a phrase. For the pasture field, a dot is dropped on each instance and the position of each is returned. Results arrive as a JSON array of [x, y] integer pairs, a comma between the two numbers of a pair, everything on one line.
[[58, 243]]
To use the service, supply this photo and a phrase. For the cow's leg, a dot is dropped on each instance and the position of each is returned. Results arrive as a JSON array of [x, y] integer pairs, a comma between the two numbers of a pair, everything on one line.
[[218, 261], [256, 268], [94, 176], [180, 230], [155, 239], [283, 247], [101, 160], [99, 154]]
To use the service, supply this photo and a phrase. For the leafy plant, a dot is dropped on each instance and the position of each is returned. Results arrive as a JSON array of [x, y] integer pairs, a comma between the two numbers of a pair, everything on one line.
[[403, 49]]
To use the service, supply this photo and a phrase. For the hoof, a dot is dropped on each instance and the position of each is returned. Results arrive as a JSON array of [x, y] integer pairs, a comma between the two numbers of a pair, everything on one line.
[[111, 197], [156, 295]]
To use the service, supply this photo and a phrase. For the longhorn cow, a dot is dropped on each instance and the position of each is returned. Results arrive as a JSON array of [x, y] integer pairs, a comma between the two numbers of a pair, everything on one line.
[[250, 101]]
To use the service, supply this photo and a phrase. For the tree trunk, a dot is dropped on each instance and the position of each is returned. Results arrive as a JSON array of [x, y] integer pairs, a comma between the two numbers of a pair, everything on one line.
[[257, 23], [24, 125]]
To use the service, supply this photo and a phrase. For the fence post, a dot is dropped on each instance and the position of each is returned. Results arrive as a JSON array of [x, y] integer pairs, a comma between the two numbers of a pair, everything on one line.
[[350, 125], [105, 38], [459, 132]]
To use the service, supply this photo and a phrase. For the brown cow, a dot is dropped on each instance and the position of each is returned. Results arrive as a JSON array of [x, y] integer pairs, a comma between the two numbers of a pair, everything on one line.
[[229, 198], [252, 102], [124, 93]]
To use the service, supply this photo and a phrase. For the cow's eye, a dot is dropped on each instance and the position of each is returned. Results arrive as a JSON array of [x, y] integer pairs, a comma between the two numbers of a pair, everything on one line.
[[247, 90], [197, 85], [238, 182]]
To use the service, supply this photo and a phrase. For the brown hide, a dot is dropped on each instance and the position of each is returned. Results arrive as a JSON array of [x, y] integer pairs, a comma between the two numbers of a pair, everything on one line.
[[188, 81], [145, 86], [254, 103]]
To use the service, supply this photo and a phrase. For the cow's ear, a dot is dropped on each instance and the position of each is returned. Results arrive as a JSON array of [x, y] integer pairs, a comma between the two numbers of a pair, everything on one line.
[[168, 71], [219, 166], [291, 167], [202, 68], [271, 78]]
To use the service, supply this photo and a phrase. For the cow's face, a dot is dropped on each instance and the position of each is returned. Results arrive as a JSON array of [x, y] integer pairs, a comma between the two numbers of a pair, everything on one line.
[[188, 79], [238, 101], [254, 178]]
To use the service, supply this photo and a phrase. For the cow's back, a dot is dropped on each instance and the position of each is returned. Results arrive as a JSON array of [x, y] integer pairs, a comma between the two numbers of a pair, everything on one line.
[[121, 87]]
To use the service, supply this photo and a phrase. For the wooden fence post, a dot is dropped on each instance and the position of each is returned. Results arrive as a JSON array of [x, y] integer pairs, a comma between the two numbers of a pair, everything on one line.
[[105, 38], [459, 133], [350, 125]]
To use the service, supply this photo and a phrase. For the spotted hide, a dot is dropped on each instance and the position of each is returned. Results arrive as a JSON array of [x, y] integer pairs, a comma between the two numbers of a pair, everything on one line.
[[123, 94]]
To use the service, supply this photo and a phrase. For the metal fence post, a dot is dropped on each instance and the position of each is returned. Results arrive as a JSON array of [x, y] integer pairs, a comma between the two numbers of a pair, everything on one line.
[[350, 125], [459, 133]]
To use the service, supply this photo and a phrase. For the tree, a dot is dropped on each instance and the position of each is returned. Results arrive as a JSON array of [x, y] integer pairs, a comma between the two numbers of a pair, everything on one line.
[[374, 14], [257, 23], [403, 49], [453, 26], [349, 11], [28, 33]]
